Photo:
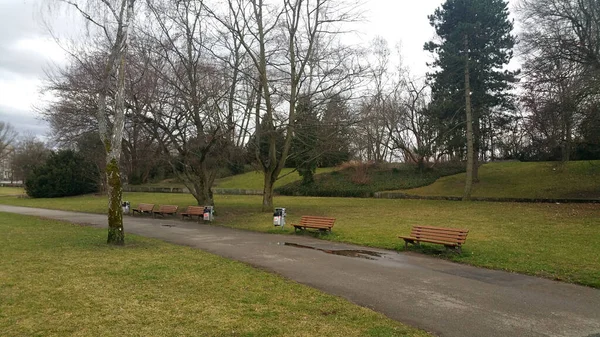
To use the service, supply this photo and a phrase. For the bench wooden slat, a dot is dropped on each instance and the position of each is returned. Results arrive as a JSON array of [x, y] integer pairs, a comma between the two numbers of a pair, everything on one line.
[[315, 222], [166, 209], [143, 208], [323, 223], [192, 211], [455, 235], [427, 234], [441, 242], [441, 228], [440, 237], [462, 231], [449, 237], [313, 225], [444, 232]]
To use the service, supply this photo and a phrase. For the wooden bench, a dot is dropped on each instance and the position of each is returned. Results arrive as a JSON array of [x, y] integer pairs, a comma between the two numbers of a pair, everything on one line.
[[449, 237], [166, 210], [143, 208], [192, 211], [323, 224]]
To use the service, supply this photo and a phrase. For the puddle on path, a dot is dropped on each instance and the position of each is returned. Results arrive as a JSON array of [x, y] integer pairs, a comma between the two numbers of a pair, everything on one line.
[[168, 225], [363, 254]]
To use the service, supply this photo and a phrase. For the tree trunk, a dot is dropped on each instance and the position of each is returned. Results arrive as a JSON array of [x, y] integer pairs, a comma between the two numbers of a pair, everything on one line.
[[475, 165], [566, 146], [267, 205], [567, 155], [200, 189], [206, 192], [492, 150], [116, 234], [470, 151], [476, 143]]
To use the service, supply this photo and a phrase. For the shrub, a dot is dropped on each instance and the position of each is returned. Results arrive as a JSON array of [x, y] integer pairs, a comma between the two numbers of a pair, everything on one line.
[[361, 174], [65, 173]]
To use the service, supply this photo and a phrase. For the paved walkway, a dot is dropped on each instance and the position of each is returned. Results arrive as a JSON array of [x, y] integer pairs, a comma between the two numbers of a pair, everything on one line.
[[438, 296]]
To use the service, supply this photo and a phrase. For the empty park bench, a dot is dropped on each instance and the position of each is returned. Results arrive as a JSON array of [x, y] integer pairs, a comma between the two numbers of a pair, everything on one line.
[[143, 208], [166, 210], [192, 211], [315, 222], [449, 237]]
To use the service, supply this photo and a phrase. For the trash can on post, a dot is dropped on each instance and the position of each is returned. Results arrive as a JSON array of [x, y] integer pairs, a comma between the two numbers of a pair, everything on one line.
[[279, 217], [208, 213]]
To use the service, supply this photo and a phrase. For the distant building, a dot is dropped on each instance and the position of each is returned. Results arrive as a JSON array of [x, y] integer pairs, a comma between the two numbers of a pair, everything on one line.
[[6, 173]]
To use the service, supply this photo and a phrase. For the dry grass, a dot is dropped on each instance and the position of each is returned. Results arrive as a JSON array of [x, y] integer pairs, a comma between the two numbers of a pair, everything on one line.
[[57, 279]]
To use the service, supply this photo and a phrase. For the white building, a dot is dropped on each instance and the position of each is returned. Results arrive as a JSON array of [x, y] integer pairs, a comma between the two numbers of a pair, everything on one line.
[[6, 173]]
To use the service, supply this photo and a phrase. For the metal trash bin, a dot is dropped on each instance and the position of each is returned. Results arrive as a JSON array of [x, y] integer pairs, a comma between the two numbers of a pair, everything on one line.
[[279, 217], [208, 213]]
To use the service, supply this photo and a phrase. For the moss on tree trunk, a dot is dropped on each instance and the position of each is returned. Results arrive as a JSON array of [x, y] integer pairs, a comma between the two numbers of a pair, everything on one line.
[[116, 235]]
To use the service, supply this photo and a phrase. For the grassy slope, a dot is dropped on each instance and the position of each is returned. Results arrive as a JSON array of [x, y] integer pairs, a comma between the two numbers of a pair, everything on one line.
[[58, 279], [250, 180], [579, 179], [341, 183], [255, 180], [526, 238]]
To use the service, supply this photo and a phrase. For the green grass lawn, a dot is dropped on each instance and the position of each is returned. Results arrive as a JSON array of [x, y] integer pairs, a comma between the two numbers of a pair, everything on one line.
[[11, 191], [58, 279], [558, 241], [250, 180], [580, 179], [255, 180]]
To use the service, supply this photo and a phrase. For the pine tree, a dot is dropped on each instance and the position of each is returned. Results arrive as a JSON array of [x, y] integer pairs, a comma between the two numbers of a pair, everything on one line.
[[475, 43], [305, 144]]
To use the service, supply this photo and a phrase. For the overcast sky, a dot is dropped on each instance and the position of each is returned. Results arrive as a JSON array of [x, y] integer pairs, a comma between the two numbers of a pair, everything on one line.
[[26, 49]]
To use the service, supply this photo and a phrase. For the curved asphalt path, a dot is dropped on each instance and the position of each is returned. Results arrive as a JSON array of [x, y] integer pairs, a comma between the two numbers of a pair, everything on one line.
[[441, 297]]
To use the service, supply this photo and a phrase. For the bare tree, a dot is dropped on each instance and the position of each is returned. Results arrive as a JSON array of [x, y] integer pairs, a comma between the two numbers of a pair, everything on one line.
[[375, 106], [113, 20], [571, 27], [280, 41], [555, 87], [7, 138], [561, 49], [409, 123], [188, 111], [29, 153]]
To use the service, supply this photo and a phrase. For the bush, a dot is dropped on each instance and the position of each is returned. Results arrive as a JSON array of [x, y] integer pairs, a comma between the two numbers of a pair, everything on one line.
[[65, 173]]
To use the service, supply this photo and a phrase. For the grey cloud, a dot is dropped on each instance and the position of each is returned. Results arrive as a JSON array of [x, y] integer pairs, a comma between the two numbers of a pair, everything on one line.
[[22, 20], [24, 121], [22, 63]]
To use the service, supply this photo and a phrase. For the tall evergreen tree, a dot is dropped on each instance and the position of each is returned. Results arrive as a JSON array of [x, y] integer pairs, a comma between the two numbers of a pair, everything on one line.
[[305, 144], [475, 43], [334, 133]]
